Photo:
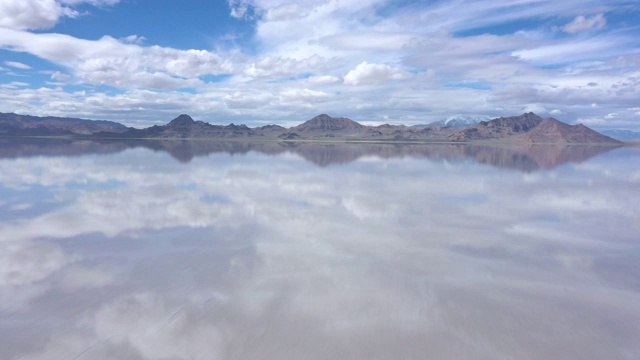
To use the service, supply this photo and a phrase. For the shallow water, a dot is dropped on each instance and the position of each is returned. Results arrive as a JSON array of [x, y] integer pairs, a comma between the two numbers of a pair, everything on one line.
[[179, 250]]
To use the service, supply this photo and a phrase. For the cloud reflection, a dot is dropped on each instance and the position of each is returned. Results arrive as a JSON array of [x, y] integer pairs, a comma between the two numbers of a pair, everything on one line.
[[263, 256]]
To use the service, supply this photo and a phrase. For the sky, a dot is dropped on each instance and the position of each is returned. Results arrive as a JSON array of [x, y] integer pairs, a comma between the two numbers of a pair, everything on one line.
[[257, 62]]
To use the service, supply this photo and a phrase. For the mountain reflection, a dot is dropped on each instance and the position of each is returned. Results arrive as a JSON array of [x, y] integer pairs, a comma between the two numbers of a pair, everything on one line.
[[523, 158]]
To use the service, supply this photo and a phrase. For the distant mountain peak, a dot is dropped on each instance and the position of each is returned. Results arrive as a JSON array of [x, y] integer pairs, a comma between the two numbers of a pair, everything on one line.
[[183, 119], [324, 122], [530, 115]]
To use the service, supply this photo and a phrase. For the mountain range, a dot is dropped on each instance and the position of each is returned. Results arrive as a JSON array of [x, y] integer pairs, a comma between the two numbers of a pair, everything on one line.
[[524, 129], [27, 125]]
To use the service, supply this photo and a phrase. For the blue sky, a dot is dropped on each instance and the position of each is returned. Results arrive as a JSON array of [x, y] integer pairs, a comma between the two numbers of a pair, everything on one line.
[[144, 62]]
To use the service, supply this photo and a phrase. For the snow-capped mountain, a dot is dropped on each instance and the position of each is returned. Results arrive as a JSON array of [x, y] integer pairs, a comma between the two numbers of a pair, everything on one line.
[[461, 120], [621, 134]]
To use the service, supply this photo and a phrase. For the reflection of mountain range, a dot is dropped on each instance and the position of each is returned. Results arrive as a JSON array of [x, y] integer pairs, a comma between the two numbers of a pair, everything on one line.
[[524, 129], [523, 158]]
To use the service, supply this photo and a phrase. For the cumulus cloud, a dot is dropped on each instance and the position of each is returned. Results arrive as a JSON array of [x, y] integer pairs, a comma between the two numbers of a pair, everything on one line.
[[108, 61], [581, 23], [370, 74], [58, 76], [32, 14], [41, 14]]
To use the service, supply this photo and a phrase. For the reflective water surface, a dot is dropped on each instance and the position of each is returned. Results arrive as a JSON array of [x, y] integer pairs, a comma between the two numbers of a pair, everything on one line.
[[213, 250]]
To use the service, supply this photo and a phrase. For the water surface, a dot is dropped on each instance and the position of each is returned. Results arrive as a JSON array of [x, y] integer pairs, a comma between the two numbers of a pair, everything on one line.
[[214, 250]]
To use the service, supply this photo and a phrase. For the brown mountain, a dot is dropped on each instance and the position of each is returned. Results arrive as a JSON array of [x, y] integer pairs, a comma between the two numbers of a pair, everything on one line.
[[552, 131], [529, 128]]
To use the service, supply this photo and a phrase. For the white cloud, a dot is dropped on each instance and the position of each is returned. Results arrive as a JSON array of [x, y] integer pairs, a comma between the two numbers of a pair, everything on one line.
[[108, 61], [17, 65], [40, 14], [581, 23], [58, 76], [534, 108], [32, 14], [369, 74]]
